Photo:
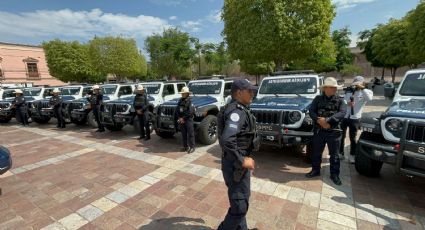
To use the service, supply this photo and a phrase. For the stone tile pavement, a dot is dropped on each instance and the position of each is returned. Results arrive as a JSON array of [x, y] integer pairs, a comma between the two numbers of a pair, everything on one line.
[[78, 179]]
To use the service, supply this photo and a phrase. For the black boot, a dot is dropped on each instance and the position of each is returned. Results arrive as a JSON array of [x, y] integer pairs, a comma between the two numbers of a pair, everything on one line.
[[312, 173], [335, 179]]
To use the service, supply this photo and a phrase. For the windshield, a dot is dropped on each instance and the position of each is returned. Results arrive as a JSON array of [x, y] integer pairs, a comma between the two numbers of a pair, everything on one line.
[[205, 87], [289, 85], [32, 92], [47, 92], [413, 85], [152, 88], [8, 93], [109, 89], [70, 91]]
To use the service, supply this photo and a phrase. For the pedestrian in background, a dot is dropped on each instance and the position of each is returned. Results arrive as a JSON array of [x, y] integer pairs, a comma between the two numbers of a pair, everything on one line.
[[96, 101], [20, 106], [140, 104], [356, 96], [55, 103]]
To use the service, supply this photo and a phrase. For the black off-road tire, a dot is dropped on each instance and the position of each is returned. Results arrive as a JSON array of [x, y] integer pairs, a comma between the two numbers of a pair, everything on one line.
[[41, 120], [114, 128], [207, 130], [363, 164]]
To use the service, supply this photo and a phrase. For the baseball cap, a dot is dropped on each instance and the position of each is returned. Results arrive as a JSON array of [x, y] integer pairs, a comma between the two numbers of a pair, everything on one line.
[[242, 84], [358, 80]]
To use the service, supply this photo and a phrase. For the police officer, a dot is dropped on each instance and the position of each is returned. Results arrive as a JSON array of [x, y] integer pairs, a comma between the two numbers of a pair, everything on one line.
[[184, 119], [55, 102], [20, 106], [140, 104], [96, 100], [236, 129], [356, 96], [327, 111]]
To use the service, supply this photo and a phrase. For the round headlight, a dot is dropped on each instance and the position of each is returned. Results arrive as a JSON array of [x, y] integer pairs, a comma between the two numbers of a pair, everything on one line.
[[294, 116], [395, 126]]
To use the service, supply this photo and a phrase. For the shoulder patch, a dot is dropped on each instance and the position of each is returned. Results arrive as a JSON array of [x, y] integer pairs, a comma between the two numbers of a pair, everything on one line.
[[234, 117]]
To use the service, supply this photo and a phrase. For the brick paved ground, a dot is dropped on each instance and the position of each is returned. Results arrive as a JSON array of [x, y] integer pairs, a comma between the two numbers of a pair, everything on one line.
[[75, 178]]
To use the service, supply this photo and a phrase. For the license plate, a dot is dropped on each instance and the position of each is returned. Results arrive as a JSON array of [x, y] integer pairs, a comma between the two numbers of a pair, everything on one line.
[[165, 119], [267, 128], [171, 126], [366, 129]]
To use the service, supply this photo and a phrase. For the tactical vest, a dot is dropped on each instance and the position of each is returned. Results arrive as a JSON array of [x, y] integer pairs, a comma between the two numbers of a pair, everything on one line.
[[247, 139], [183, 107], [54, 101], [140, 100], [327, 108]]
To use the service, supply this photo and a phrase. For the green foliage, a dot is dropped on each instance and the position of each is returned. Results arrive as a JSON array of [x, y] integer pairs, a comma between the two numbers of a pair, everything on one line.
[[70, 62], [170, 53], [365, 43], [259, 31], [341, 39], [257, 68], [416, 32], [118, 56], [349, 69]]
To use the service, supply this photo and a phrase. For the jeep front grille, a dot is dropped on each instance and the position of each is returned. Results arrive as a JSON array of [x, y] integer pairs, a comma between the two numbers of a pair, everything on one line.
[[44, 104], [121, 108], [416, 133], [168, 111], [76, 105], [4, 105], [267, 117]]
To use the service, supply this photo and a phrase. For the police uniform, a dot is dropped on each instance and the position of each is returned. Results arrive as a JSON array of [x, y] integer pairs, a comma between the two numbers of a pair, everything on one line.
[[21, 109], [95, 102], [186, 111], [237, 138], [333, 109], [141, 103], [56, 102]]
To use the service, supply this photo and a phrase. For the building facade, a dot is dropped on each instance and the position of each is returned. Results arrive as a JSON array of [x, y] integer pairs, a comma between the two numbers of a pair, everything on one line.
[[24, 64]]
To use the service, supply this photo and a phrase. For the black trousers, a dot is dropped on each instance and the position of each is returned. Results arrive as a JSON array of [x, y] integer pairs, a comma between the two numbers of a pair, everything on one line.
[[59, 117], [144, 124], [239, 194], [188, 133], [22, 115], [96, 113], [333, 140], [352, 125]]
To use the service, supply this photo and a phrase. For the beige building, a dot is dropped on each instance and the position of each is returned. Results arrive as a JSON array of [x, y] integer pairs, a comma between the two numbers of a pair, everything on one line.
[[24, 64]]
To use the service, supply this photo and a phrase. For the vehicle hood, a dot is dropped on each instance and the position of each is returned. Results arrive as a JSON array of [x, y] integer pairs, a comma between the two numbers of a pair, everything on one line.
[[68, 98], [197, 101], [128, 100], [10, 99], [288, 103], [413, 108]]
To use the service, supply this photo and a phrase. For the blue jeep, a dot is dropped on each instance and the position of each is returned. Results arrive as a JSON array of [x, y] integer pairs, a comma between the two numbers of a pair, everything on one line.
[[209, 96], [396, 136], [7, 112], [281, 108]]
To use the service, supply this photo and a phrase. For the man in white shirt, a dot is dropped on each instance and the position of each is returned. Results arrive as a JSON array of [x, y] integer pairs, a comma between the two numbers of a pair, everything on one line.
[[356, 97]]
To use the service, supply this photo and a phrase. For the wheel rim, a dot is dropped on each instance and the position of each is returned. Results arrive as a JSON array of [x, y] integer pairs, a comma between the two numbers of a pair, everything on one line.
[[212, 130]]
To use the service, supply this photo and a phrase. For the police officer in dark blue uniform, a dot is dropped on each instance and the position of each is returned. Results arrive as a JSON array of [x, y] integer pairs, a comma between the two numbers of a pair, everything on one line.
[[20, 106], [237, 137], [184, 118], [95, 102], [140, 104], [56, 103], [327, 111]]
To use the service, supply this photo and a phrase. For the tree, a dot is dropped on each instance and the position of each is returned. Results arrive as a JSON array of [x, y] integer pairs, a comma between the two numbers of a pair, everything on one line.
[[118, 56], [257, 69], [171, 53], [276, 30], [390, 46], [341, 39], [349, 69], [365, 43], [416, 32], [70, 62]]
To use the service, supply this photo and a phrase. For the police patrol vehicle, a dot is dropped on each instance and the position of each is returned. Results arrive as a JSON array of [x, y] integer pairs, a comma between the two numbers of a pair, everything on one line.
[[396, 136], [118, 113], [80, 110], [209, 95], [281, 108], [41, 112], [30, 94]]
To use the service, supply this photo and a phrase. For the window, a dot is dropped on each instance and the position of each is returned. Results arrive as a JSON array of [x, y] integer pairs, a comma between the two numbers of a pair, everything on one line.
[[32, 70], [227, 88], [86, 90], [180, 86], [47, 92], [169, 89], [125, 90]]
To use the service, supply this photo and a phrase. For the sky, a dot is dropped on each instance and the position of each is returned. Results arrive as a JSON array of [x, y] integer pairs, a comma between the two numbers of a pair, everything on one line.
[[34, 21]]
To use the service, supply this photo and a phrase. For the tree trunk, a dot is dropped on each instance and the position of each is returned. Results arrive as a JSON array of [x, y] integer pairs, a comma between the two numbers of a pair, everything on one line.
[[393, 72], [279, 65], [383, 73]]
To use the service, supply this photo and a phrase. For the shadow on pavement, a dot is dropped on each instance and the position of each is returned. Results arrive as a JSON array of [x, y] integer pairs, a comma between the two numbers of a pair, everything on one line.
[[176, 223]]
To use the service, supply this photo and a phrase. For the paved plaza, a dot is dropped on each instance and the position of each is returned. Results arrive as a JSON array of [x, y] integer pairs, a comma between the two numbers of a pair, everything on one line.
[[78, 179]]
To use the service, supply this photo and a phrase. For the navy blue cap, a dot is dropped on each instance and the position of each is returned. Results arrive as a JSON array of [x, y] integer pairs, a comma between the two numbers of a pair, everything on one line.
[[242, 84]]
